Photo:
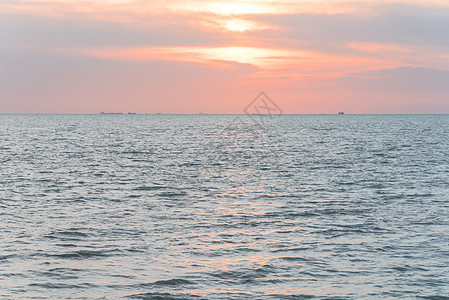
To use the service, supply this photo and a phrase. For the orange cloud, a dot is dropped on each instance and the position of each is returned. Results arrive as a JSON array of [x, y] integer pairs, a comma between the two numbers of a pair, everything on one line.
[[259, 57], [271, 62]]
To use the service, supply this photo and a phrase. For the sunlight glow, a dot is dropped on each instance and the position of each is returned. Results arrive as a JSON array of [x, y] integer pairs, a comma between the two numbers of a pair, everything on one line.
[[270, 58], [239, 25], [262, 57]]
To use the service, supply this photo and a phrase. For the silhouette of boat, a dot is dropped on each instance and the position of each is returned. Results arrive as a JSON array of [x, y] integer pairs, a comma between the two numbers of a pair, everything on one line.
[[341, 113], [130, 113]]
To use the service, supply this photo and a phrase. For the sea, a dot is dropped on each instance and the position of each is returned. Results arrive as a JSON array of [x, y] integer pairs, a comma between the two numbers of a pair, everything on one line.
[[224, 206]]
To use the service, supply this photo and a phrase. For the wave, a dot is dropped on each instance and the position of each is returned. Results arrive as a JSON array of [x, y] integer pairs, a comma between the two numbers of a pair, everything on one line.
[[163, 296]]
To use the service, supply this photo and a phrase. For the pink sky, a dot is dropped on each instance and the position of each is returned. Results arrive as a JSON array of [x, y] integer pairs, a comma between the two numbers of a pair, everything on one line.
[[179, 56]]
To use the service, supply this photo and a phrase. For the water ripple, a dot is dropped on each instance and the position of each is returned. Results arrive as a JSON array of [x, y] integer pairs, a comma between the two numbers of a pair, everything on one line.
[[173, 207]]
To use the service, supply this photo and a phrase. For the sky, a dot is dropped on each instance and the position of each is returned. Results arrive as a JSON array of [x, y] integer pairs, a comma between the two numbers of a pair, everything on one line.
[[178, 56]]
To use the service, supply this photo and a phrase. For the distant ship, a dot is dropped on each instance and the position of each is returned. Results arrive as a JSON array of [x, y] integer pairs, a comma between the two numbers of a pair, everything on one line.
[[341, 113], [130, 113], [104, 113]]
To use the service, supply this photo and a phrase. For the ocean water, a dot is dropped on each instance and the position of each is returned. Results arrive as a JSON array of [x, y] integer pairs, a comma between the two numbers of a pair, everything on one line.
[[224, 207]]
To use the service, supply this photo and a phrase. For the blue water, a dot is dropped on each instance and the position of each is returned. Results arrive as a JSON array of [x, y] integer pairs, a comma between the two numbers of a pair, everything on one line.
[[224, 207]]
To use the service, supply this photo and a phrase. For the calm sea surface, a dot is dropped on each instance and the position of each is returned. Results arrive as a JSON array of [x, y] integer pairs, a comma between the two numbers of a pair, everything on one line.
[[224, 207]]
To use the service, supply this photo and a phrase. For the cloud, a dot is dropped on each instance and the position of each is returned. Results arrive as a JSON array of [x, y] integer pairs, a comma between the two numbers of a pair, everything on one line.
[[392, 24], [42, 32]]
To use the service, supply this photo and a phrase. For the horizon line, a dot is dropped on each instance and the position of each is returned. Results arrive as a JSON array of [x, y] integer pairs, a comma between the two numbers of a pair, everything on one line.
[[230, 114]]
